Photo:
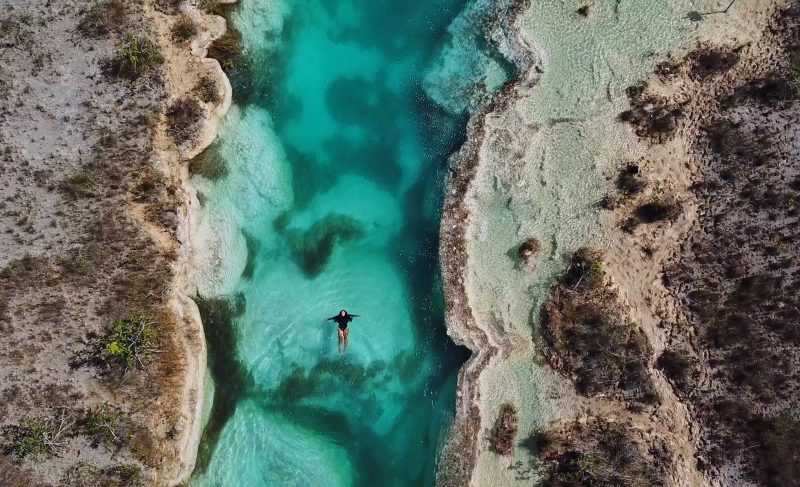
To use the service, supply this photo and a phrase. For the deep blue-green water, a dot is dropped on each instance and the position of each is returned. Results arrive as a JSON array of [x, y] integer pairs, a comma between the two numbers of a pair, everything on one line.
[[336, 148]]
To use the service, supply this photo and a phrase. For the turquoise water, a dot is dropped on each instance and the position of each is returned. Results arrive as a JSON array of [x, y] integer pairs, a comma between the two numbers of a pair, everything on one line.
[[335, 150]]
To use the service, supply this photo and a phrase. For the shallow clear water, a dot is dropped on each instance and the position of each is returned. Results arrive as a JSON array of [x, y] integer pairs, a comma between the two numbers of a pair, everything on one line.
[[336, 152]]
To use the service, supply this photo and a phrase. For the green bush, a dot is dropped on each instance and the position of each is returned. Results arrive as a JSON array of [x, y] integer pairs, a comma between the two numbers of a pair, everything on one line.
[[136, 57], [131, 341]]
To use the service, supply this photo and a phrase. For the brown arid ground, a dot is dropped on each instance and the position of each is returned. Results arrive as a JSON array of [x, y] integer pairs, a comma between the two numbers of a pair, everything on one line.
[[679, 335], [101, 352], [706, 260]]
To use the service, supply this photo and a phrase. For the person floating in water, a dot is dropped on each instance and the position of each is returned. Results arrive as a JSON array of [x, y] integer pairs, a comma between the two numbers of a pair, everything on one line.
[[342, 319]]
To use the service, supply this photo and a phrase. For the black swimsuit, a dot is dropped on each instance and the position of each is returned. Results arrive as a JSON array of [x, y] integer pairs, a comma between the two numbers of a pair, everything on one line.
[[342, 321]]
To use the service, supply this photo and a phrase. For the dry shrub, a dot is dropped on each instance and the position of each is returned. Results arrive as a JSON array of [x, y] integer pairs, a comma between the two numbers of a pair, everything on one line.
[[226, 49], [707, 61], [653, 117], [588, 336], [600, 453], [208, 89], [504, 433], [185, 120], [167, 6], [81, 184], [184, 28], [656, 211], [102, 17], [680, 367], [629, 181], [528, 251]]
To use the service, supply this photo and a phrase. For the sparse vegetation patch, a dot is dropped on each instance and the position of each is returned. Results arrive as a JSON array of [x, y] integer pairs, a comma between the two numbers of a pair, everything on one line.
[[185, 118], [101, 17], [137, 56], [102, 425], [131, 342], [184, 29], [504, 434], [36, 438], [588, 336], [599, 453]]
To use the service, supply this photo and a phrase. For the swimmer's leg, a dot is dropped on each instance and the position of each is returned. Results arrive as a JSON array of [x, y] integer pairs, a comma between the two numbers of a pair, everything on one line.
[[346, 334], [341, 337]]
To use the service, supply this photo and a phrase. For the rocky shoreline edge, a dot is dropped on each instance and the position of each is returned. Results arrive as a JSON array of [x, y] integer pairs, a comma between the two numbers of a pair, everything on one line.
[[459, 453], [184, 65]]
